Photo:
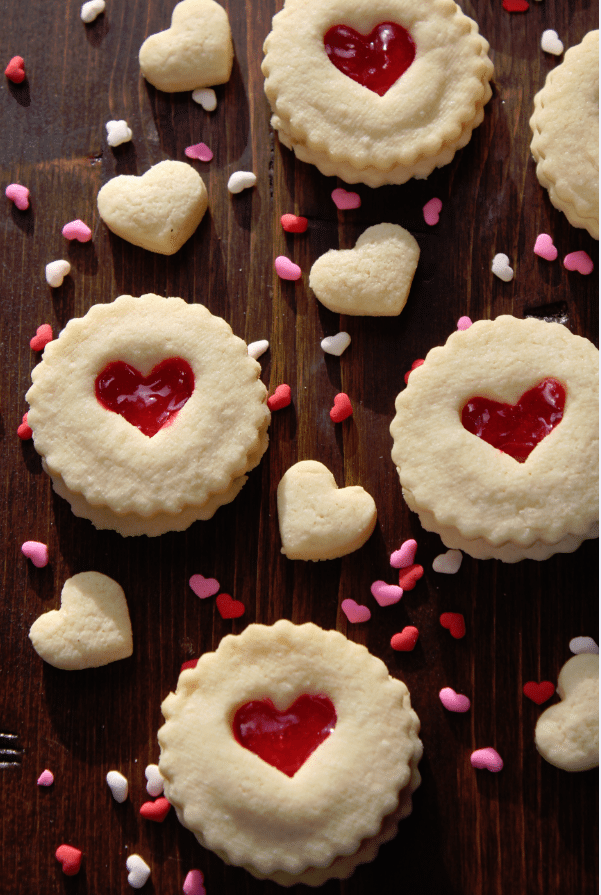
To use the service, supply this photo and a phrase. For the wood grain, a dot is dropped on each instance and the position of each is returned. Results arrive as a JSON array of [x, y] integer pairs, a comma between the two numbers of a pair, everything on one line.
[[530, 829]]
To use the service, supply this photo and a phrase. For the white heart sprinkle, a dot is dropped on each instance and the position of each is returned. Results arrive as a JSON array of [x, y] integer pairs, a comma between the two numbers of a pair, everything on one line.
[[205, 97], [256, 349], [91, 10], [448, 563], [139, 871], [501, 268], [56, 272], [336, 344], [550, 42], [118, 785], [118, 132], [241, 180], [154, 787], [583, 645]]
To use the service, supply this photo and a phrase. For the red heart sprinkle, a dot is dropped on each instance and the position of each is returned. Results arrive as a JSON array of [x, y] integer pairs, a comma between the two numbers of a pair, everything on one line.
[[42, 336], [375, 60], [342, 408], [406, 640], [24, 431], [191, 663], [157, 810], [516, 5], [409, 576], [414, 365], [15, 70], [70, 858], [292, 223], [539, 693], [281, 397], [228, 607], [455, 623]]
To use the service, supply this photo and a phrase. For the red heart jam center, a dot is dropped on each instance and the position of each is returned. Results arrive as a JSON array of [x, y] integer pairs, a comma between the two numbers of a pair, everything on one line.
[[147, 402], [375, 60], [516, 429], [285, 739]]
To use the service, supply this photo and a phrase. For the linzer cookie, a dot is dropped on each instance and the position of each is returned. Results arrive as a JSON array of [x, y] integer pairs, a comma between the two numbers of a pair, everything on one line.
[[148, 413], [565, 141], [376, 92], [496, 440], [290, 751]]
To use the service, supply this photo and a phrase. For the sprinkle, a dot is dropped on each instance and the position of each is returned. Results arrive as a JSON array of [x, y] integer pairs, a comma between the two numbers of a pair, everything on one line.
[[342, 408], [256, 349], [36, 552], [516, 5], [431, 211], [190, 663], [241, 180], [281, 397], [452, 701], [405, 641], [56, 271], [139, 871], [91, 10], [156, 811], [583, 645], [228, 607], [155, 783], [487, 758], [205, 97], [463, 323], [18, 194], [292, 223], [405, 555], [118, 132], [539, 693], [204, 587], [118, 785], [287, 269], [550, 42], [70, 858], [454, 622], [194, 883], [43, 335], [355, 612], [544, 247], [386, 594], [579, 261], [15, 70], [336, 344], [199, 151], [25, 431], [501, 269], [414, 366], [344, 200], [448, 563], [409, 577], [77, 230], [46, 778]]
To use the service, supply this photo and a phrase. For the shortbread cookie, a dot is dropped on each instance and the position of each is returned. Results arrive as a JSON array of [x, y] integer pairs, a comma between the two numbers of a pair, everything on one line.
[[91, 628], [196, 51], [496, 440], [276, 752], [317, 519], [148, 413], [158, 211], [567, 734], [373, 279], [376, 92], [565, 128]]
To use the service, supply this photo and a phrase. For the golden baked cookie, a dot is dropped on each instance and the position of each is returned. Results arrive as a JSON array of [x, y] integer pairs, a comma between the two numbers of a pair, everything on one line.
[[496, 440]]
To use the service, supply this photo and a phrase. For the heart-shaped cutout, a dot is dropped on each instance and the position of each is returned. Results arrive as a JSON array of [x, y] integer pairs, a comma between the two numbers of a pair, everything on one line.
[[375, 60], [70, 858], [147, 402], [285, 739], [516, 429]]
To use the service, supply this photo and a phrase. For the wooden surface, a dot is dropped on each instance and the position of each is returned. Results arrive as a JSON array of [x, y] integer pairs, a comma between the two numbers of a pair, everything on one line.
[[530, 829]]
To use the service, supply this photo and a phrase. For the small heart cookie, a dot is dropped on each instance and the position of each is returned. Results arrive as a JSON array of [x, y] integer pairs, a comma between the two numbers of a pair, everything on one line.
[[91, 628], [196, 51], [317, 519], [373, 279], [158, 211]]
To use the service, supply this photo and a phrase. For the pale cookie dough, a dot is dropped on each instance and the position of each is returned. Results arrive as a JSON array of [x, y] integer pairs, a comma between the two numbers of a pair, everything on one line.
[[91, 628], [343, 801], [373, 278], [158, 211], [565, 128], [113, 473], [567, 734], [349, 130], [196, 51], [479, 499], [317, 519]]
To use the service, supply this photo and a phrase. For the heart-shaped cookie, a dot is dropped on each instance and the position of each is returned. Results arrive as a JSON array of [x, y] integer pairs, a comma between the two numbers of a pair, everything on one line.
[[317, 519], [196, 51], [91, 628], [157, 211], [371, 280]]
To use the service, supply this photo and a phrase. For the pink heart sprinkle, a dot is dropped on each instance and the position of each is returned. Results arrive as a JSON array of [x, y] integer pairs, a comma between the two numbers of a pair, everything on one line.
[[77, 230], [24, 431], [344, 200], [36, 552], [386, 594], [355, 612], [405, 555], [281, 397], [463, 323], [46, 778], [199, 151], [432, 211], [487, 758], [194, 883], [19, 195], [287, 269], [579, 261], [544, 247], [204, 587], [454, 702], [43, 335]]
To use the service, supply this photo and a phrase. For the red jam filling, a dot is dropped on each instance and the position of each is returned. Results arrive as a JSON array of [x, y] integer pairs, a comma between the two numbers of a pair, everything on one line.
[[375, 60], [285, 739], [147, 402], [516, 429]]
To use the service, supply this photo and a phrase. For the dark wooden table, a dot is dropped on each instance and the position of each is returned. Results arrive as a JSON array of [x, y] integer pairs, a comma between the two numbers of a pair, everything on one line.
[[529, 830]]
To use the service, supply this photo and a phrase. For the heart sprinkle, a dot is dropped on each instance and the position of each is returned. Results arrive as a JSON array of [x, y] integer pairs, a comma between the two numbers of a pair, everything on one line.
[[228, 607], [157, 810], [583, 645], [139, 871], [487, 758], [406, 640], [516, 5], [579, 261], [91, 10], [463, 323], [448, 563], [355, 612], [204, 587], [199, 151], [337, 344], [292, 223], [501, 269], [404, 556], [36, 552], [414, 366], [281, 397], [454, 622], [544, 248], [190, 663], [118, 132], [205, 97], [46, 778], [56, 271], [386, 594], [241, 180], [431, 211], [287, 269], [155, 782], [19, 195], [77, 230], [342, 408], [194, 883], [454, 702], [409, 576], [15, 70], [24, 431], [256, 349], [43, 335], [345, 200], [550, 42], [539, 692], [70, 858], [118, 785]]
